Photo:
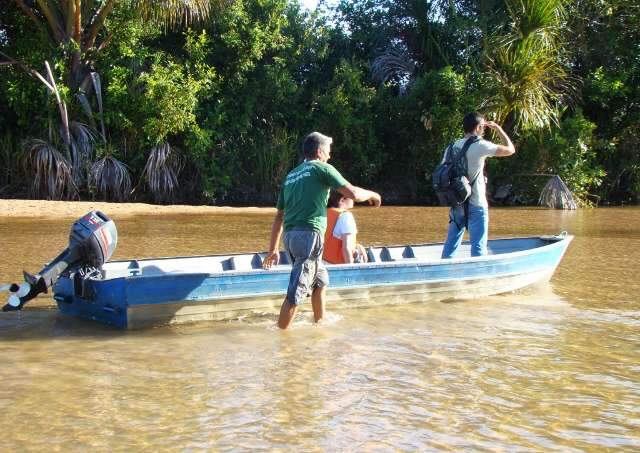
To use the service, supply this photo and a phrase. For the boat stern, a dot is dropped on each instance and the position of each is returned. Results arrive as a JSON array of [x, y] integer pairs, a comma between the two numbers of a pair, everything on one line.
[[92, 299]]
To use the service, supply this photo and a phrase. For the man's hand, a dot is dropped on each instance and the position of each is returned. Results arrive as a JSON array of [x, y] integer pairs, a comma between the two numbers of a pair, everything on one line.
[[375, 199], [492, 125], [507, 149], [271, 260], [358, 194]]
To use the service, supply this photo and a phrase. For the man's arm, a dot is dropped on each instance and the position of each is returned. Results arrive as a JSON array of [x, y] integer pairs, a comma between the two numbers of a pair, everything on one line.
[[276, 232], [507, 149], [359, 194]]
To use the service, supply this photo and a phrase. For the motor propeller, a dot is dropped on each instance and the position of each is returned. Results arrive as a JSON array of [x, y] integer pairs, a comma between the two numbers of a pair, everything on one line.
[[16, 292], [92, 241]]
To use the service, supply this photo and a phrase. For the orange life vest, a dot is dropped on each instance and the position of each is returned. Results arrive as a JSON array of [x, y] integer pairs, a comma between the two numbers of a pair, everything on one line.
[[332, 246]]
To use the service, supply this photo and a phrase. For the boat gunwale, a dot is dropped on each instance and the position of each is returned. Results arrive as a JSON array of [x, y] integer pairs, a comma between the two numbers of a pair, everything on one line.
[[553, 242]]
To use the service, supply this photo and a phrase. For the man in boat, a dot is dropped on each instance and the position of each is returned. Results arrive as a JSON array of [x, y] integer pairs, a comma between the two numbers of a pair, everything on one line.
[[302, 213], [474, 213], [340, 239]]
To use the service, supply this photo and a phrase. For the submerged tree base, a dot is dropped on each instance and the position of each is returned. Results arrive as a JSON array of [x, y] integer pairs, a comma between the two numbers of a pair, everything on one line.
[[556, 194]]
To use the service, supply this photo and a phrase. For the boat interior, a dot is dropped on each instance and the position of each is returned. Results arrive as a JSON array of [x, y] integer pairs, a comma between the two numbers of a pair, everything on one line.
[[247, 262]]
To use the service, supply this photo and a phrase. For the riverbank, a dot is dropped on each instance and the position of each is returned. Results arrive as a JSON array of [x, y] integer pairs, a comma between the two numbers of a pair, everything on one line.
[[74, 209]]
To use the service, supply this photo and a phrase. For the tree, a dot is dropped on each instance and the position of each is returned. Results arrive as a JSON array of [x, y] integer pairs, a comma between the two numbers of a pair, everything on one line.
[[77, 28], [526, 69], [77, 33]]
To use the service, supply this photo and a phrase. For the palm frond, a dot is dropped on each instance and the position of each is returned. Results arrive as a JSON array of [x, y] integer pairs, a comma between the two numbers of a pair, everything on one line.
[[526, 67], [83, 139], [97, 87], [556, 194], [529, 85], [540, 17], [110, 179], [86, 106], [161, 171], [393, 64], [174, 13], [52, 174]]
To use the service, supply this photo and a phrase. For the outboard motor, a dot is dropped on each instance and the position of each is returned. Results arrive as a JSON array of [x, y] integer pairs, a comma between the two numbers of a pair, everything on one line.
[[92, 241]]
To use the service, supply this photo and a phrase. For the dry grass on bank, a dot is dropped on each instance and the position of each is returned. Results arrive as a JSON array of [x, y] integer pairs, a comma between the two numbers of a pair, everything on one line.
[[74, 209]]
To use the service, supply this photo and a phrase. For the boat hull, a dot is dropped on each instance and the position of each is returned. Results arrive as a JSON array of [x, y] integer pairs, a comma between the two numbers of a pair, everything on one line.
[[179, 297]]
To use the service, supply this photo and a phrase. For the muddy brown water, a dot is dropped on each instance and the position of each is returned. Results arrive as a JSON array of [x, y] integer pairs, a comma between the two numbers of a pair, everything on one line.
[[555, 368]]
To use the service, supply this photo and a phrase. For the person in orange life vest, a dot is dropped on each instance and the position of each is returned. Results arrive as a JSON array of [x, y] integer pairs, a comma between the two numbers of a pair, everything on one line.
[[340, 244]]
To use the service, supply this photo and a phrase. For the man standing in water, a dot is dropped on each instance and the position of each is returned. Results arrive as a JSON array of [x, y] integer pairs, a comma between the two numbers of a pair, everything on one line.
[[302, 209], [475, 216]]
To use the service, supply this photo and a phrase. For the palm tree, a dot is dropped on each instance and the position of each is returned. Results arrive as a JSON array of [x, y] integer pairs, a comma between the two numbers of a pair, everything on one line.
[[110, 178], [52, 178], [525, 66], [78, 26], [161, 171], [417, 45]]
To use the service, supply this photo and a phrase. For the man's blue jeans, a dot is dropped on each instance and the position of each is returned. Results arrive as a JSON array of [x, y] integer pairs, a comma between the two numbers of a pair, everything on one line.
[[478, 229]]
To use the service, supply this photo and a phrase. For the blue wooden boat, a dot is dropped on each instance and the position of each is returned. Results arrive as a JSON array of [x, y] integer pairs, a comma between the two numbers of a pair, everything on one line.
[[135, 293]]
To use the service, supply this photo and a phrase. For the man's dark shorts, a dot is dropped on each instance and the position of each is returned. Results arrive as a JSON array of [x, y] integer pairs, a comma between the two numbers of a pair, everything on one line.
[[305, 249]]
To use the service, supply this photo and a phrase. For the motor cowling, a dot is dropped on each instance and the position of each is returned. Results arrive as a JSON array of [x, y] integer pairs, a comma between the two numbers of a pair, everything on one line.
[[92, 241]]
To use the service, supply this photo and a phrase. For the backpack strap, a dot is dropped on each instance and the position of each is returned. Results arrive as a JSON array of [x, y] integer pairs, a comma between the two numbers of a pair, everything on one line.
[[463, 154], [447, 153], [470, 141]]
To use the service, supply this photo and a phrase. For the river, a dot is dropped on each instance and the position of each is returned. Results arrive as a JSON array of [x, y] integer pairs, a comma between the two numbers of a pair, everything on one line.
[[556, 368]]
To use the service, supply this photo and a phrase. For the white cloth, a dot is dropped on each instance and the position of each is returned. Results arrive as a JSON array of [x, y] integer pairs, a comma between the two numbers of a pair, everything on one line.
[[476, 156], [345, 224]]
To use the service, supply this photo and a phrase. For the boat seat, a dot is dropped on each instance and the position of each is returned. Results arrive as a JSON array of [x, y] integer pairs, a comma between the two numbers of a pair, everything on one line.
[[373, 253], [408, 252], [283, 261], [245, 262], [134, 268], [396, 253]]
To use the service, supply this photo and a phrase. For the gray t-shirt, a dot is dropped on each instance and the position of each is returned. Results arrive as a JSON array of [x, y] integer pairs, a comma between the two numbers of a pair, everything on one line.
[[476, 156]]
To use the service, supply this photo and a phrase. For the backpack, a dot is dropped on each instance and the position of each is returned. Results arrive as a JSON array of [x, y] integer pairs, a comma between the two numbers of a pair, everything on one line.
[[450, 181]]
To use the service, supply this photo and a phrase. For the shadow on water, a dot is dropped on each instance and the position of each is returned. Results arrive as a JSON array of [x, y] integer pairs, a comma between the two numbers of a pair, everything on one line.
[[46, 323]]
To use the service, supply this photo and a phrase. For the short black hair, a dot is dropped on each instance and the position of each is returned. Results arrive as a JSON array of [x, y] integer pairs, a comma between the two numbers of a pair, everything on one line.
[[471, 121], [334, 199], [313, 141]]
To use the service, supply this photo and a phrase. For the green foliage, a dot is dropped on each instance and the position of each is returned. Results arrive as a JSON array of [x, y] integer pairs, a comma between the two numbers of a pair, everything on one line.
[[169, 101], [568, 151], [10, 171], [417, 128], [528, 77], [607, 36], [389, 80], [275, 156], [344, 111]]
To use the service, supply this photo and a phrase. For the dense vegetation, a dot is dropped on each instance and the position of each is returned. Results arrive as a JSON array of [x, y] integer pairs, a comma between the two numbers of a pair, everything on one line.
[[123, 100]]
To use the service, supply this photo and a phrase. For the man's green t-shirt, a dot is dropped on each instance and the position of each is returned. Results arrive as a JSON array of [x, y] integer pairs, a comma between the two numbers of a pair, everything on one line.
[[305, 193]]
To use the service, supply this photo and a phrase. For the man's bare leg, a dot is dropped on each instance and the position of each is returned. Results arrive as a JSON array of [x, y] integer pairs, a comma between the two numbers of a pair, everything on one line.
[[287, 313], [317, 302]]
